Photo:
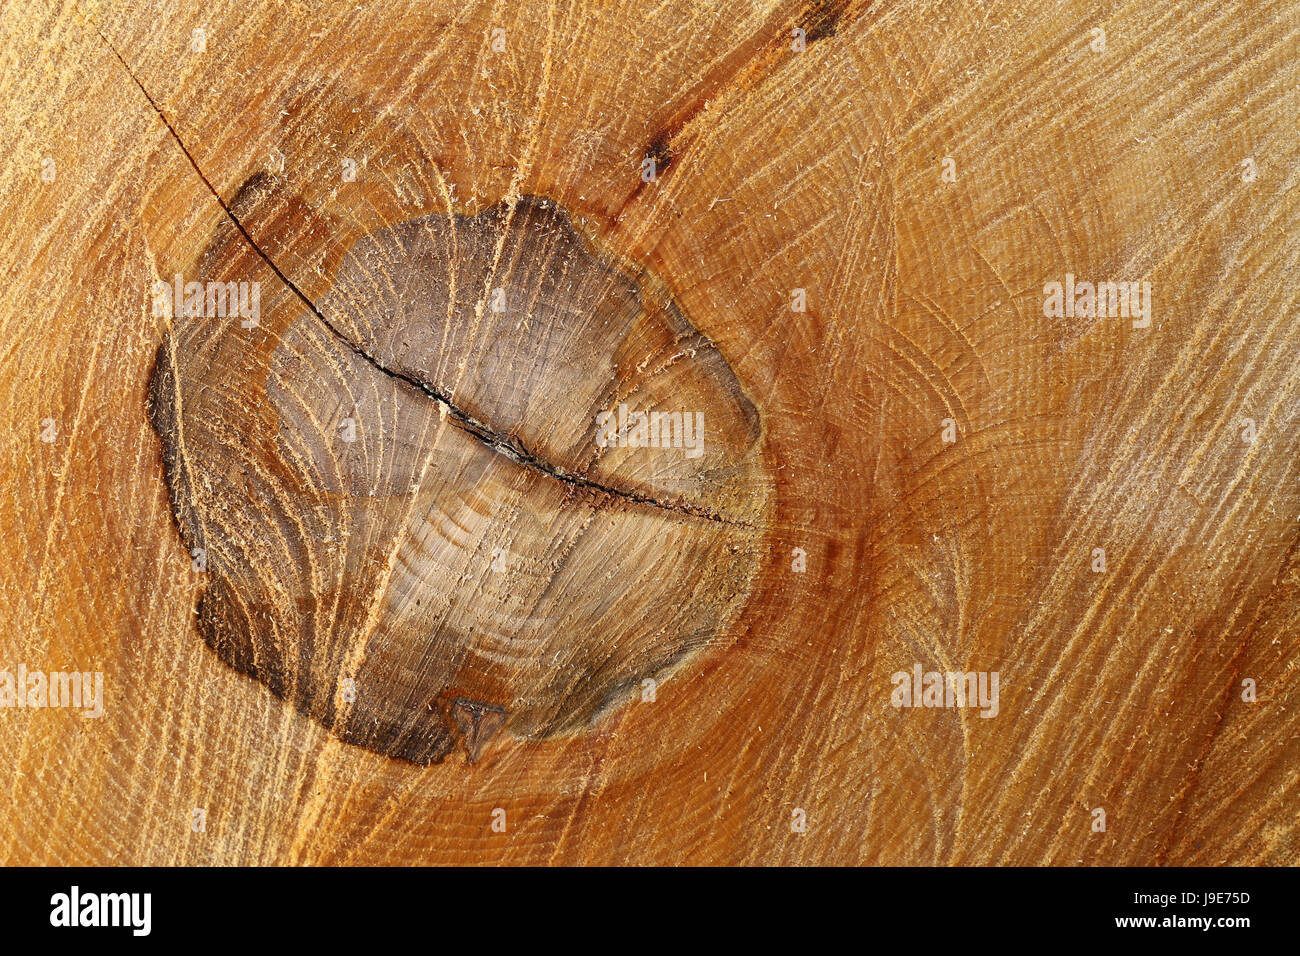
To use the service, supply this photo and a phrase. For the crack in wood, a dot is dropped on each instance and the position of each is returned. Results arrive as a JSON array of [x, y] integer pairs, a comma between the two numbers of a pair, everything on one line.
[[508, 446]]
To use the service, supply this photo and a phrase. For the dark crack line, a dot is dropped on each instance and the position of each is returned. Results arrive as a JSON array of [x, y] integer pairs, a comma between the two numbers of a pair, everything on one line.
[[510, 447]]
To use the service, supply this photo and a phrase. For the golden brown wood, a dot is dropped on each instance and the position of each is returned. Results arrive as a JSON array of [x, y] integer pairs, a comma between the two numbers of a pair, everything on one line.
[[843, 259], [441, 493]]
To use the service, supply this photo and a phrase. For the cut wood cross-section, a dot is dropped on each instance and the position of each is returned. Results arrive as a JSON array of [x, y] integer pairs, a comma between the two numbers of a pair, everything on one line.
[[590, 432]]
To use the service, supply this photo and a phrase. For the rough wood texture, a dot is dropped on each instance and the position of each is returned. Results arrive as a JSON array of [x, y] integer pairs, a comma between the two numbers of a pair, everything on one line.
[[830, 227]]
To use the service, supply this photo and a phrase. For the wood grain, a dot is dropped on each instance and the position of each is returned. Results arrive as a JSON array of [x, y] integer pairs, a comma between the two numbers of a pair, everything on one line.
[[795, 146]]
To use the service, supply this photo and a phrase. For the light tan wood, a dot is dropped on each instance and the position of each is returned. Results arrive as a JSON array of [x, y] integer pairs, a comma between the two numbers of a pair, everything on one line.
[[1165, 154]]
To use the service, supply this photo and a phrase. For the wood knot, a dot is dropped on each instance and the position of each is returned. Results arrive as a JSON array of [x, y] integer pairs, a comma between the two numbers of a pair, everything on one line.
[[488, 467]]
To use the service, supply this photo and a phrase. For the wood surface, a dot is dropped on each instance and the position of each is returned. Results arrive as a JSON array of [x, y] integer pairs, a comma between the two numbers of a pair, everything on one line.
[[829, 227]]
